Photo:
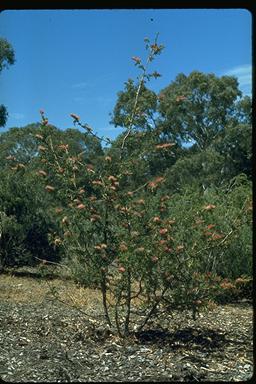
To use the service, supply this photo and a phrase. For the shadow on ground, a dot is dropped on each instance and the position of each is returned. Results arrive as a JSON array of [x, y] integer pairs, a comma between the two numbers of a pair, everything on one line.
[[197, 338]]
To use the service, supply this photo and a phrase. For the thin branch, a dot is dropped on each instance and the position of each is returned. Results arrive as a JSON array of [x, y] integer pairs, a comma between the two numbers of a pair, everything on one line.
[[152, 310], [90, 316], [51, 262], [141, 82]]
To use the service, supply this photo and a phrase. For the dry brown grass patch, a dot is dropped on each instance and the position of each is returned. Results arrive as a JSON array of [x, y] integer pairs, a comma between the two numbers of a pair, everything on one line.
[[26, 289]]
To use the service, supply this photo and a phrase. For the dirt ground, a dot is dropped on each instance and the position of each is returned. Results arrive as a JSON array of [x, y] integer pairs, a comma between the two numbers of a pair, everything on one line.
[[44, 340]]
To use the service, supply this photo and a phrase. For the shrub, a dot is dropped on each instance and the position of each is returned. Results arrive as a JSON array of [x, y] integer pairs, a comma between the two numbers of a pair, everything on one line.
[[145, 250], [12, 249]]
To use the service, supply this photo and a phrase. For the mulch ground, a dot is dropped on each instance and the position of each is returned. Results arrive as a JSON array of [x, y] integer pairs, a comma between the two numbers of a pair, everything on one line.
[[49, 342]]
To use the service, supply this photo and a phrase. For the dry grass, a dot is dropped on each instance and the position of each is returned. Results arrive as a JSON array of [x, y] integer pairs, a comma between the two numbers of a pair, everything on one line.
[[16, 289], [19, 286], [21, 290]]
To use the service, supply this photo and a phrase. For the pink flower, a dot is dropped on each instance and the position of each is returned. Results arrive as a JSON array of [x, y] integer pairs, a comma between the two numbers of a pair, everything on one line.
[[39, 136], [210, 226], [49, 188], [165, 145], [217, 236], [155, 74], [57, 241], [75, 117], [140, 201], [97, 182], [153, 184], [112, 178], [140, 250], [63, 146], [81, 206], [163, 231], [42, 148], [64, 220], [45, 122], [42, 173], [95, 218], [209, 207], [136, 59], [123, 247], [180, 98], [10, 157]]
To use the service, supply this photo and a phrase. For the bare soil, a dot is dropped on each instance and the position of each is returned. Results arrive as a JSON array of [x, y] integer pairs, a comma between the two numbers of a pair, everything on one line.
[[44, 340]]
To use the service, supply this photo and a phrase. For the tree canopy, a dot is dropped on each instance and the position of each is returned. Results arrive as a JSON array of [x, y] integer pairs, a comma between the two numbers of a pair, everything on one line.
[[196, 108], [7, 58]]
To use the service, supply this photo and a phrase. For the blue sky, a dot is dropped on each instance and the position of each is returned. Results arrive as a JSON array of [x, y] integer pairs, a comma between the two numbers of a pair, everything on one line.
[[75, 61]]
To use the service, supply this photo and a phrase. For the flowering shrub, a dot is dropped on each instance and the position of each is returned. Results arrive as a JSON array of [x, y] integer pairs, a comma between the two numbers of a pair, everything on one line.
[[233, 290], [143, 251]]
